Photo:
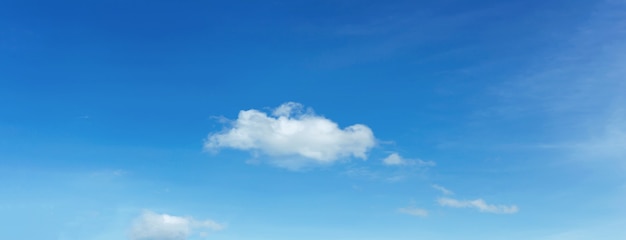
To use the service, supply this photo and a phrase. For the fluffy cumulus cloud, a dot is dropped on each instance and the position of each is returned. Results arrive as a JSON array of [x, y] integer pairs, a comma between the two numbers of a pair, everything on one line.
[[294, 136], [394, 159], [479, 204], [154, 226], [413, 211]]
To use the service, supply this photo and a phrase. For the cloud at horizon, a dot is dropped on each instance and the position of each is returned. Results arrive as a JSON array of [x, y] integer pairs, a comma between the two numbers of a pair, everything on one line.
[[154, 226]]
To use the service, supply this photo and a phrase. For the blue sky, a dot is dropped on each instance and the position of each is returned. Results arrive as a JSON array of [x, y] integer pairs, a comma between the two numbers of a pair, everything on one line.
[[174, 120]]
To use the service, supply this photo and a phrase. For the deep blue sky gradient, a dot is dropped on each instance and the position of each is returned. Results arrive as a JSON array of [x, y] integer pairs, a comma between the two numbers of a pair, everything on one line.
[[105, 106]]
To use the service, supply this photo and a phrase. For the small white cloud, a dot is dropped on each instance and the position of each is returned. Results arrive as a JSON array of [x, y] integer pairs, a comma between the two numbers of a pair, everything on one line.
[[442, 189], [394, 159], [413, 211], [293, 137], [479, 204], [153, 226]]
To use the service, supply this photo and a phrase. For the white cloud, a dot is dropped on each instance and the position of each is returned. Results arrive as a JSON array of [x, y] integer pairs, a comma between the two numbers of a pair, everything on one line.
[[293, 137], [394, 159], [442, 189], [413, 211], [153, 226], [479, 204]]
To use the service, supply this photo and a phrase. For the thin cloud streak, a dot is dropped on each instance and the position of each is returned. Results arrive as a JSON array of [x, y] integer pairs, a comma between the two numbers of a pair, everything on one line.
[[394, 159], [479, 204], [442, 189], [418, 212]]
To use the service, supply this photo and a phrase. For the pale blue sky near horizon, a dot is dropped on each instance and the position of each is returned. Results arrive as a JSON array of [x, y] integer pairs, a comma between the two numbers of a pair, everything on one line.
[[368, 120]]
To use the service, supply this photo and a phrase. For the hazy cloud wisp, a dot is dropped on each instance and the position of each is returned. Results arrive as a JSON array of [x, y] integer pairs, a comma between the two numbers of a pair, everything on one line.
[[413, 211], [442, 189], [394, 159], [154, 226], [479, 204]]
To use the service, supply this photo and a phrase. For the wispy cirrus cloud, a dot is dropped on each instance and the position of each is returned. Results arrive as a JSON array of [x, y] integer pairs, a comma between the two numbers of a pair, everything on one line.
[[578, 89], [442, 189], [394, 159], [293, 137], [413, 211], [479, 204]]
